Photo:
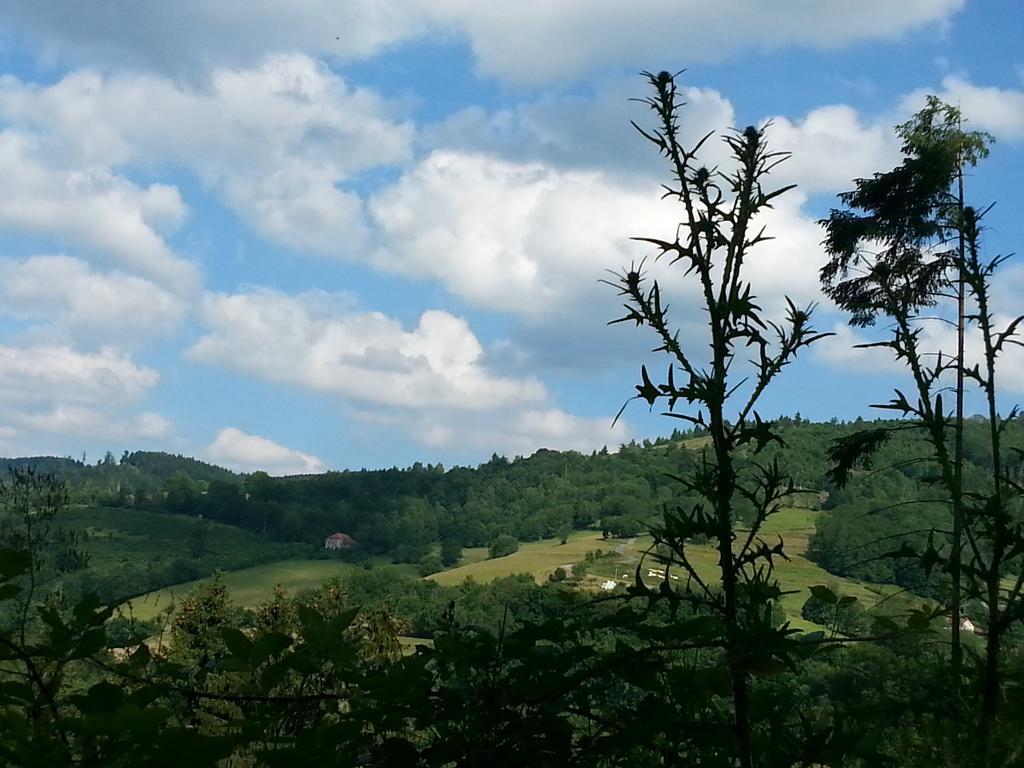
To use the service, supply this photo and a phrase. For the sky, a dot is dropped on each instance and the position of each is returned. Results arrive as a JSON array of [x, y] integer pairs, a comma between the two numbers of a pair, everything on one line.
[[331, 234]]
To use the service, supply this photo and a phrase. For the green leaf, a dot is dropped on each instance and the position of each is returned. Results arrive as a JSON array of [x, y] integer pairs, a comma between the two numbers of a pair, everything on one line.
[[8, 591], [268, 645], [91, 643], [238, 644], [886, 624], [15, 690], [85, 609], [343, 621], [919, 619], [140, 657], [14, 562], [273, 675], [310, 619], [233, 664], [103, 697], [824, 594]]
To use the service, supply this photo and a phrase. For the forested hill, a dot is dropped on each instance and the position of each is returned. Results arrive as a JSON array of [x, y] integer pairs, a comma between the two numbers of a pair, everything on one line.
[[404, 513], [109, 479]]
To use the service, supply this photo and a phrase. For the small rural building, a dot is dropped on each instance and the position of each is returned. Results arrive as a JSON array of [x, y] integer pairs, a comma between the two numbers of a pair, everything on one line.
[[339, 541], [609, 585], [966, 625]]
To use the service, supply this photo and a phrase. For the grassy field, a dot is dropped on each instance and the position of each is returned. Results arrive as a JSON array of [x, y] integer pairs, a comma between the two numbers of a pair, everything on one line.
[[798, 574], [693, 443], [537, 558], [250, 586]]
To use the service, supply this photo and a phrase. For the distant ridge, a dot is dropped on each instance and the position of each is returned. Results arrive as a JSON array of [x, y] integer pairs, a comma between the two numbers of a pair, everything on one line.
[[143, 469]]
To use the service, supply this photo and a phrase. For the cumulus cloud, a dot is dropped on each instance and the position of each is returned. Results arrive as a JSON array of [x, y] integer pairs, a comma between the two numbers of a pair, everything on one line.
[[41, 374], [830, 147], [57, 392], [519, 237], [533, 240], [550, 428], [277, 141], [96, 308], [845, 350], [367, 356], [936, 337], [514, 432], [537, 40], [182, 36], [243, 452], [93, 209], [530, 41], [76, 421], [590, 130]]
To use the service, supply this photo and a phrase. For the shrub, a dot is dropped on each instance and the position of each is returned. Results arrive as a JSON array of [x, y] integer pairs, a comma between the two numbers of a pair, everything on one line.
[[503, 545], [451, 552]]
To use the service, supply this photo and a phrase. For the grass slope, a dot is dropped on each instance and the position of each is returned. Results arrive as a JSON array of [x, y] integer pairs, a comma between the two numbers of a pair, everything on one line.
[[796, 575], [537, 558]]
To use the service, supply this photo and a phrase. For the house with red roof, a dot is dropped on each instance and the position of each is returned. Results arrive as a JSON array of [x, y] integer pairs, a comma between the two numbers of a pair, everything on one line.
[[339, 541]]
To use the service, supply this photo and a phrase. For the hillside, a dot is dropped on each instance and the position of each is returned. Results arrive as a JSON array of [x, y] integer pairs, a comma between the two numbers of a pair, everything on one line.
[[199, 519], [120, 482]]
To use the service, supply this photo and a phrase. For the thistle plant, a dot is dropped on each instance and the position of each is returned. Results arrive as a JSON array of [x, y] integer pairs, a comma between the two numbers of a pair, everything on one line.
[[903, 244], [718, 234]]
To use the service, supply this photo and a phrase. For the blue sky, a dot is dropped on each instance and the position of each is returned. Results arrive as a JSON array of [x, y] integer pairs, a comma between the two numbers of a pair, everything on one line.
[[340, 233]]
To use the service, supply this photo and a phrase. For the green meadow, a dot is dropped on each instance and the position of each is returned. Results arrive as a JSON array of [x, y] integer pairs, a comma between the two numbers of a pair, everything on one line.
[[796, 575], [537, 558]]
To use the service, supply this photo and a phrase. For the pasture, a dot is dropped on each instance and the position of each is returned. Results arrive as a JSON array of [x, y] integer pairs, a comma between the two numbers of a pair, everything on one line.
[[796, 575], [536, 558]]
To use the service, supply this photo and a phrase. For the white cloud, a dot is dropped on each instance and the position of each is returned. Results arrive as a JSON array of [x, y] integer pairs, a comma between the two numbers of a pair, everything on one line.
[[276, 141], [830, 147], [537, 40], [935, 337], [533, 241], [512, 432], [93, 209], [57, 393], [788, 264], [237, 450], [529, 41], [66, 421], [187, 34], [843, 350], [43, 374], [518, 237], [551, 428], [92, 307], [584, 131], [1000, 111], [367, 356]]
